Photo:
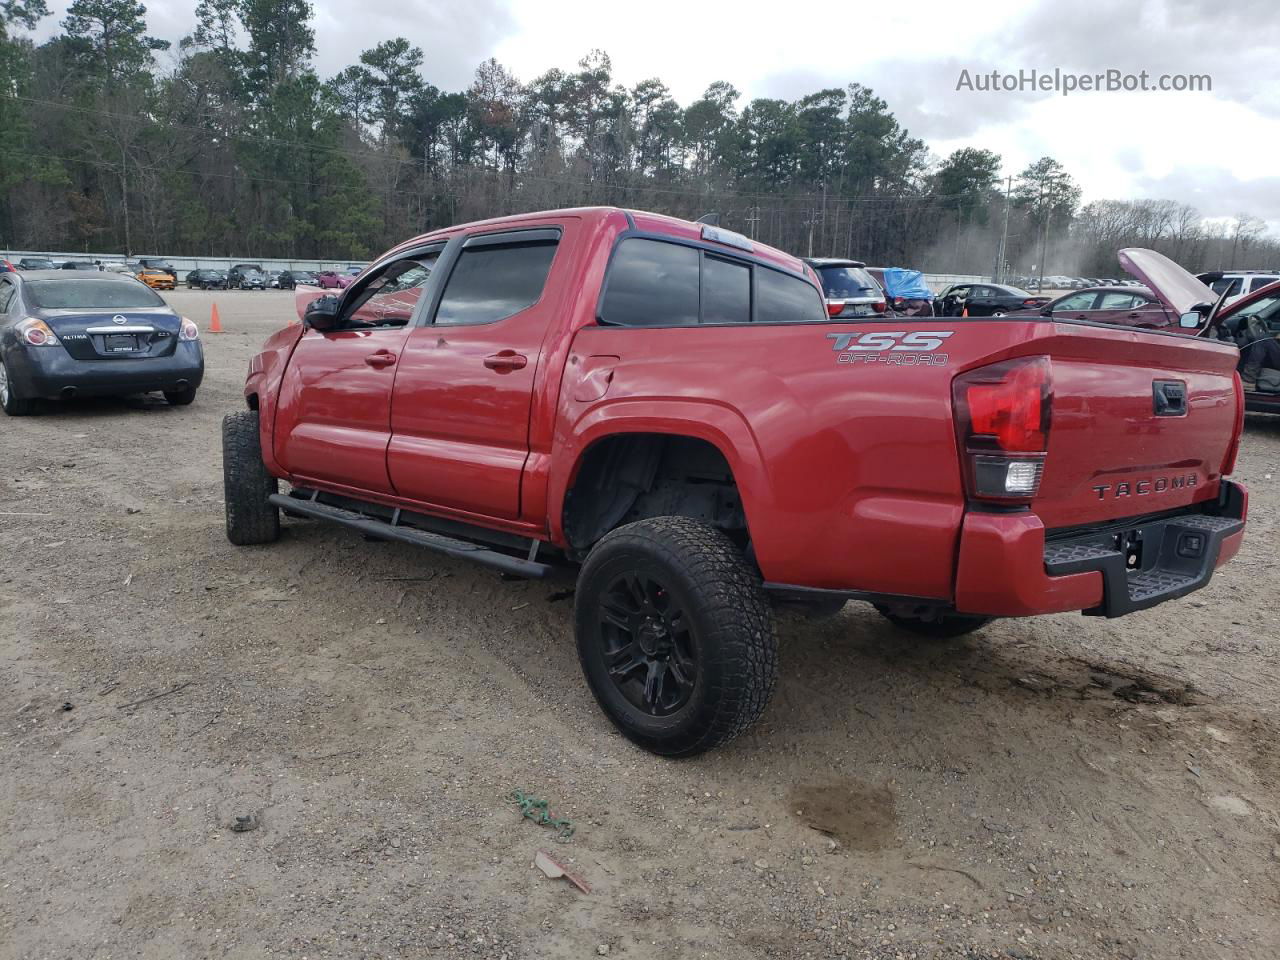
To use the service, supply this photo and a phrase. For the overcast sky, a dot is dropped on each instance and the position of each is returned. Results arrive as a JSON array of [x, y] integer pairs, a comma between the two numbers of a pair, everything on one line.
[[1216, 150]]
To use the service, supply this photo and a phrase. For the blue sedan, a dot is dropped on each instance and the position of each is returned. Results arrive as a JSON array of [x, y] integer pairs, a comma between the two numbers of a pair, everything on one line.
[[67, 334]]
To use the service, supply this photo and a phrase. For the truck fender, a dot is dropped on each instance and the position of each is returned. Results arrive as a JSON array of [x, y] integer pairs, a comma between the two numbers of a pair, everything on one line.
[[720, 425], [262, 387]]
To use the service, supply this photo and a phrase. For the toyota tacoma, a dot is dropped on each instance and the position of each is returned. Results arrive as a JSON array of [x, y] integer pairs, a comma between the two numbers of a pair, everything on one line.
[[669, 408]]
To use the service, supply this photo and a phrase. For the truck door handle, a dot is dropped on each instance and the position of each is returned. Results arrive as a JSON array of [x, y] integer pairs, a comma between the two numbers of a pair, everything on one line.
[[382, 358], [505, 361]]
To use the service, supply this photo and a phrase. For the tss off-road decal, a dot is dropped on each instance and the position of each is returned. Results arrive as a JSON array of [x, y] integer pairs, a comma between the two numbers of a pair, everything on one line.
[[893, 347]]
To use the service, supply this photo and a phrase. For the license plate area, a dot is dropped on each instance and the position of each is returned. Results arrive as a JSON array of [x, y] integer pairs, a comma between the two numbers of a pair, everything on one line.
[[120, 343]]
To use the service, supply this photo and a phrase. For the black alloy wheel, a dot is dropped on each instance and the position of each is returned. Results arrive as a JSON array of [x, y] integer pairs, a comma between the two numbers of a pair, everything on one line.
[[648, 645]]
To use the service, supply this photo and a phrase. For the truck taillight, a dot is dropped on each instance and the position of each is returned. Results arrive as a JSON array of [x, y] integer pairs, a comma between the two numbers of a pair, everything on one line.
[[1233, 448], [1002, 417]]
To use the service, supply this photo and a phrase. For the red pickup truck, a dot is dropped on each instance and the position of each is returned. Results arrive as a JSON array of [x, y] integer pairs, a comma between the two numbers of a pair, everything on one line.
[[668, 406]]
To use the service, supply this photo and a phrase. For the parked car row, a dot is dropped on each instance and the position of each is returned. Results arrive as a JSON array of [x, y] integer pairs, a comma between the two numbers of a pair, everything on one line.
[[1060, 282]]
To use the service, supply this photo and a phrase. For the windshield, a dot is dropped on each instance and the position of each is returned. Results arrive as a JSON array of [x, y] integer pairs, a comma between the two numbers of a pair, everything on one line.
[[843, 282], [90, 295], [36, 264], [1264, 308]]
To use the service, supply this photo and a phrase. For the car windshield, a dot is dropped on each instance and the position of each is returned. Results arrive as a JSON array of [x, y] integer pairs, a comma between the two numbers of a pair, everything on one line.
[[840, 282], [34, 264], [1265, 308], [90, 294]]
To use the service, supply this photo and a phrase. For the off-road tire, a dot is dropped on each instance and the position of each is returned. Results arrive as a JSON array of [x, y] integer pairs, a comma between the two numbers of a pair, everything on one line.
[[946, 627], [11, 403], [180, 398], [251, 518], [730, 628]]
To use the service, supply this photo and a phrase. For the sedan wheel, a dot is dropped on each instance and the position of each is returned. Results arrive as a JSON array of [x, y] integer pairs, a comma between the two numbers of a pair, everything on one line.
[[12, 405]]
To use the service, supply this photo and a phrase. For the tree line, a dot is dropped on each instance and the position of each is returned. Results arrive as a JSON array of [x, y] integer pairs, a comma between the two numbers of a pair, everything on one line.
[[236, 146]]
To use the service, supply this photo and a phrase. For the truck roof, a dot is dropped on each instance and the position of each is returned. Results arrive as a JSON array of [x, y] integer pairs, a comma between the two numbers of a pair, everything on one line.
[[640, 220]]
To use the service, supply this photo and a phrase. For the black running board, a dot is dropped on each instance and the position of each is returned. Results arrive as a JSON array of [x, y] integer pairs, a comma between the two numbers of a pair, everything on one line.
[[449, 546]]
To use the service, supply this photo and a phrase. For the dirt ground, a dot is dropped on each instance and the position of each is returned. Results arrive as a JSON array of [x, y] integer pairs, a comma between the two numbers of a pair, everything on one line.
[[1058, 787]]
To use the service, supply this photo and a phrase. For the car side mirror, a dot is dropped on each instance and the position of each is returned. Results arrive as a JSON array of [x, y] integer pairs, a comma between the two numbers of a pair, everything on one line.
[[321, 314], [1046, 311], [1191, 320]]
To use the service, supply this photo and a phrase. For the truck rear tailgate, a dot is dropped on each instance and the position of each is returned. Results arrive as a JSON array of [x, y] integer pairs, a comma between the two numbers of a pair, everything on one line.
[[1142, 423]]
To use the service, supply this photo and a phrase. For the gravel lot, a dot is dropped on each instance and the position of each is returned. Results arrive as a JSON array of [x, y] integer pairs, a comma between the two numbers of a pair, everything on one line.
[[1057, 787]]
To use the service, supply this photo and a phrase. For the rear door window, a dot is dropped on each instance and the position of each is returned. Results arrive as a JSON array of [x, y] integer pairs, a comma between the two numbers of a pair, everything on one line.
[[651, 283], [497, 277], [1120, 301], [726, 291]]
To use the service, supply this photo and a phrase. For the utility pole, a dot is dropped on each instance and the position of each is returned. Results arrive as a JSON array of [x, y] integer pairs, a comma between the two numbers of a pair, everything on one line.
[[1044, 242], [753, 220], [124, 200], [1004, 234], [824, 209]]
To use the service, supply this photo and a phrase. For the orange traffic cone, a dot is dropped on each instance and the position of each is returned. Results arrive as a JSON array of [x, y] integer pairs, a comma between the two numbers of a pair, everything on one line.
[[963, 313], [215, 323]]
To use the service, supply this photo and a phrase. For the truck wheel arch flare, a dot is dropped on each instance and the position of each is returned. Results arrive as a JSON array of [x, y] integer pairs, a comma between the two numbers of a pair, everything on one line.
[[718, 425]]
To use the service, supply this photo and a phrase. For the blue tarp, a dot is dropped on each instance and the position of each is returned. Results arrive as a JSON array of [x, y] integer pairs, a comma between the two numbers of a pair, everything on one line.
[[907, 284]]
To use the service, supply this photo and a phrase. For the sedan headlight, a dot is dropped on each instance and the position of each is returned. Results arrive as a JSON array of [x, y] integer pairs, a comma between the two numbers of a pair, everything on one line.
[[36, 333]]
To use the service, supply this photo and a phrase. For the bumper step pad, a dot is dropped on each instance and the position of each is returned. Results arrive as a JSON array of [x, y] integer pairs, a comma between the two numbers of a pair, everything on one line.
[[1174, 555]]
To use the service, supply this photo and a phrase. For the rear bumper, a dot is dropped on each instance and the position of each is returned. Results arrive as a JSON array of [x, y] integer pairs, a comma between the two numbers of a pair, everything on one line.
[[1009, 568], [50, 372]]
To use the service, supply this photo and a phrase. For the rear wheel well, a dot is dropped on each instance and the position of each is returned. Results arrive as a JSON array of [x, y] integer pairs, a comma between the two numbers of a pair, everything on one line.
[[629, 477]]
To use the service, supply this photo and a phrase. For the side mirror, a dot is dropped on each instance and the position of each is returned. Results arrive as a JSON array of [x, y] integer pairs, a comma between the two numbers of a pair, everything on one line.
[[321, 314], [1190, 320], [1046, 311]]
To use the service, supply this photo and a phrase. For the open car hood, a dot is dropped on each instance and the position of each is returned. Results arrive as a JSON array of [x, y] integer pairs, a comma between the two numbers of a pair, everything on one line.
[[1172, 285]]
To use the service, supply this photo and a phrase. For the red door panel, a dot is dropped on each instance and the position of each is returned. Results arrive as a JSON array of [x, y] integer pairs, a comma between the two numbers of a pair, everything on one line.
[[460, 417], [334, 417], [464, 389]]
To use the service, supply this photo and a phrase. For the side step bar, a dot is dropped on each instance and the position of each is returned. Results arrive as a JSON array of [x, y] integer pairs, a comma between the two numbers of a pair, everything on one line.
[[449, 546]]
